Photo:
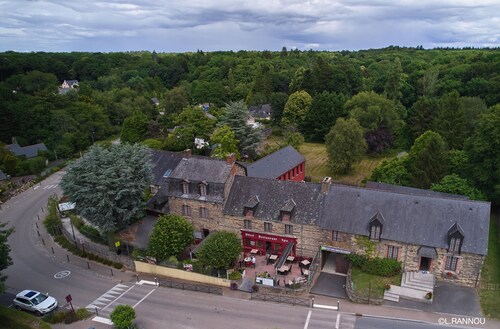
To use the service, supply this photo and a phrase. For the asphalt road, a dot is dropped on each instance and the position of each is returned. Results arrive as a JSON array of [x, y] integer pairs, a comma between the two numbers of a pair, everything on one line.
[[33, 266]]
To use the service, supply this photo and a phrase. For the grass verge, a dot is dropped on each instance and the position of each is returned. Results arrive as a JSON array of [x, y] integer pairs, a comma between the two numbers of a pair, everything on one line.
[[13, 319], [368, 284], [489, 292]]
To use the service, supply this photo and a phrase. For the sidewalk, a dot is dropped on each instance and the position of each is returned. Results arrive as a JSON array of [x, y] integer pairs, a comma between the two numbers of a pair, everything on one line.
[[52, 249]]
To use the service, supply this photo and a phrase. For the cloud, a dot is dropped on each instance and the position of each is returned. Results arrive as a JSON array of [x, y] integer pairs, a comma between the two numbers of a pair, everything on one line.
[[181, 25]]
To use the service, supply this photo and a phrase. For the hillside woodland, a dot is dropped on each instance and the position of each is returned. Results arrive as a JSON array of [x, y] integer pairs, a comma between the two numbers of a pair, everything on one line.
[[439, 109]]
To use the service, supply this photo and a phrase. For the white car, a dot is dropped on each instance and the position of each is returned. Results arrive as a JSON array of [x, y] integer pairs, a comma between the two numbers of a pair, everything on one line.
[[35, 301]]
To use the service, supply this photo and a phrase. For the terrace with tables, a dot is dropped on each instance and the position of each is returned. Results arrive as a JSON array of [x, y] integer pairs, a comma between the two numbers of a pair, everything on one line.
[[273, 270]]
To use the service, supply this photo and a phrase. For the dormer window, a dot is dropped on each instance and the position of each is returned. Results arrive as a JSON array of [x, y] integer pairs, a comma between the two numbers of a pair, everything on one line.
[[185, 187], [251, 205], [203, 189], [455, 238], [376, 224], [286, 210]]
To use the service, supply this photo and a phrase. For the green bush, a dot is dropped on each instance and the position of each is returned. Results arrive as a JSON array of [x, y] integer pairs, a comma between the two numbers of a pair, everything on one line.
[[82, 313], [117, 265], [235, 275], [70, 317], [376, 266], [55, 317], [123, 316]]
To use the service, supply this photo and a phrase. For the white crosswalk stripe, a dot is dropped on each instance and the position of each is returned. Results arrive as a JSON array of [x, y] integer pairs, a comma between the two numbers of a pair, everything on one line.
[[107, 297], [49, 187]]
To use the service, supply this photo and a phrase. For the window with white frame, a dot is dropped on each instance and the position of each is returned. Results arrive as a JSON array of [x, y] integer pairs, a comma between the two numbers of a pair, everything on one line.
[[375, 232], [455, 244], [185, 188], [268, 227], [247, 224], [451, 263], [335, 236], [186, 210], [392, 252], [288, 229], [203, 212], [203, 189]]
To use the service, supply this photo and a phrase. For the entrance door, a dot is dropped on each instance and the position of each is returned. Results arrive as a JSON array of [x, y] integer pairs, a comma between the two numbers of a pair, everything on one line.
[[268, 247], [425, 263]]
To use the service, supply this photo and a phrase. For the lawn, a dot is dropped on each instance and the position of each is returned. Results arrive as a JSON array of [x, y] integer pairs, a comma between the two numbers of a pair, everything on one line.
[[490, 276], [317, 165], [368, 284], [13, 319]]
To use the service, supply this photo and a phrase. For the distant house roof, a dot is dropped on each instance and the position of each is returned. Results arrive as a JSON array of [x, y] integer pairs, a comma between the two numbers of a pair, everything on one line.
[[414, 218], [274, 196], [164, 163], [29, 151], [412, 190], [202, 169], [2, 176], [260, 112], [155, 101], [274, 164]]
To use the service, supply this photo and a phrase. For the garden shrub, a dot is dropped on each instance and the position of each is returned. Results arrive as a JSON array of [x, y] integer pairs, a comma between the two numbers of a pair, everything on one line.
[[234, 275], [117, 265], [123, 316], [376, 266]]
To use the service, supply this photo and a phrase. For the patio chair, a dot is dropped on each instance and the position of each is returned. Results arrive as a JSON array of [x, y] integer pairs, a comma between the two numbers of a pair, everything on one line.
[[290, 268], [278, 282], [301, 271]]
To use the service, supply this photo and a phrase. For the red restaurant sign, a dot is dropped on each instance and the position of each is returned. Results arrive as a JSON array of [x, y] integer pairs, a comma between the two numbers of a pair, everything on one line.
[[267, 237]]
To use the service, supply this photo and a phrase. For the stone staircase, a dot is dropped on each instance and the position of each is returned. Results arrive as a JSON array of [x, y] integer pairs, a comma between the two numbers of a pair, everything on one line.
[[414, 286]]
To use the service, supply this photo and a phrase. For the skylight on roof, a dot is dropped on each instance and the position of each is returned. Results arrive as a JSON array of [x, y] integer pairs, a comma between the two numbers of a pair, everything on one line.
[[167, 173]]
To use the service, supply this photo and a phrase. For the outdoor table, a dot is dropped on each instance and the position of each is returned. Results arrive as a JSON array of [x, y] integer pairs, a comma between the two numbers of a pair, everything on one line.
[[290, 258], [254, 251], [305, 262], [306, 272], [273, 257], [283, 268]]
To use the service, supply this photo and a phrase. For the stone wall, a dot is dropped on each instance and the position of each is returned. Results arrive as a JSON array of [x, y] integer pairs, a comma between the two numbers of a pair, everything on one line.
[[214, 220], [354, 297]]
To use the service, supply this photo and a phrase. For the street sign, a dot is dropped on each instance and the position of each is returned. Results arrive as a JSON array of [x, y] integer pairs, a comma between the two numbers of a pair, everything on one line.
[[68, 299], [117, 244]]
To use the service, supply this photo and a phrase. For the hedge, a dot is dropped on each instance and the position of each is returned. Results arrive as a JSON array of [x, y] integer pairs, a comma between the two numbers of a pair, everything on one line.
[[376, 266]]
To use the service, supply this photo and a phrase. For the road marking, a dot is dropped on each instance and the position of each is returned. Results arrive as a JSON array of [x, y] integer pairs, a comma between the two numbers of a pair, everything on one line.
[[102, 320], [326, 307], [307, 320], [146, 282], [62, 274], [105, 307], [143, 298], [338, 321], [35, 187], [49, 187], [103, 299]]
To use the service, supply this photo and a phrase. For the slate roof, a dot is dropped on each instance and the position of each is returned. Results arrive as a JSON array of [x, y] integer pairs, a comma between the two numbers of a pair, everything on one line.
[[413, 218], [273, 195], [275, 164], [412, 190], [202, 169], [29, 151], [262, 112], [164, 163]]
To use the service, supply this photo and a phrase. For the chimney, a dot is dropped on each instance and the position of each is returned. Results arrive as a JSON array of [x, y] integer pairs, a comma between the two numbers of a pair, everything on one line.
[[14, 140], [325, 184], [231, 158], [186, 153]]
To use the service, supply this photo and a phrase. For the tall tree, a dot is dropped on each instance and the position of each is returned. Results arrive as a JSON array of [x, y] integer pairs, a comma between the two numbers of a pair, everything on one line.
[[236, 118], [224, 142], [454, 184], [5, 260], [345, 144], [325, 109], [175, 100], [171, 235], [134, 128], [107, 185], [277, 101], [450, 120], [395, 80], [421, 116], [428, 160], [296, 108], [394, 171], [483, 150]]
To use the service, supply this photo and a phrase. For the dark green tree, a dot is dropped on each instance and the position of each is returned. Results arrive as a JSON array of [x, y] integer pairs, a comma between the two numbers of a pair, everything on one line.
[[134, 128], [171, 235], [454, 184], [325, 109], [221, 250], [5, 260], [395, 80], [450, 120], [483, 151], [277, 101], [421, 116], [345, 145], [108, 185], [296, 108], [394, 171], [428, 160], [175, 100]]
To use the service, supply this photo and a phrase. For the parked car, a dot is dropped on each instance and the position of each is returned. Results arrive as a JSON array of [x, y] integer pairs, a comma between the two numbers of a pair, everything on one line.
[[34, 301]]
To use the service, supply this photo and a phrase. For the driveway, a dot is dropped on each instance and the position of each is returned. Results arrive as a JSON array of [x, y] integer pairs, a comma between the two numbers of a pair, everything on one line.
[[448, 298], [330, 285]]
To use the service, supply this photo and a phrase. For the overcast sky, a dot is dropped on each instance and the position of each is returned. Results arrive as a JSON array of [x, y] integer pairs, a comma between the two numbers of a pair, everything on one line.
[[188, 25]]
